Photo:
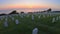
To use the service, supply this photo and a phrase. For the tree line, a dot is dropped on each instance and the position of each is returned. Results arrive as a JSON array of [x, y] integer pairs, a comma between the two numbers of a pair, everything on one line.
[[15, 12]]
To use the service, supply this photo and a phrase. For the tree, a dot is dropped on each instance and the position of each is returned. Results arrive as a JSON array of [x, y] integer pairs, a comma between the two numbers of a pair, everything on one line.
[[13, 12], [49, 10], [2, 14], [22, 12]]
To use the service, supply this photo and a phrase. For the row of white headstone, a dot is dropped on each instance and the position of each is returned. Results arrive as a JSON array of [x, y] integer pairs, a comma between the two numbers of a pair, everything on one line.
[[55, 19], [6, 22], [16, 21], [35, 30], [32, 17], [1, 17]]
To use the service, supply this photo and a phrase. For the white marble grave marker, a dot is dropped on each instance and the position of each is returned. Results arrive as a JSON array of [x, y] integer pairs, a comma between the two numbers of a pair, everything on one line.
[[5, 24], [6, 19], [32, 17], [21, 16], [27, 15], [24, 14], [1, 18], [39, 16], [15, 14], [43, 15], [47, 15], [53, 20], [57, 18], [17, 21], [12, 18], [35, 31]]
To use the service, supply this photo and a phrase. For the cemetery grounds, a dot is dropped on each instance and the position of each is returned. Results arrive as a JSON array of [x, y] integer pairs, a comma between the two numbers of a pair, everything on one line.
[[44, 22]]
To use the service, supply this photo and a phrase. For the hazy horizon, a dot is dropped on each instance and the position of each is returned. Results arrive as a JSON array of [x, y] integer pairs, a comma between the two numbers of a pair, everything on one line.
[[25, 10], [8, 5]]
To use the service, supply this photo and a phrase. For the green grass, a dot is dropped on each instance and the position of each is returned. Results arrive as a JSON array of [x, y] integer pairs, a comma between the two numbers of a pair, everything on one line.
[[26, 25]]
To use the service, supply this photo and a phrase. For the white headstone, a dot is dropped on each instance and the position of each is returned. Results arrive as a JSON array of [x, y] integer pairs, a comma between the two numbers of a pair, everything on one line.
[[27, 15], [15, 14], [24, 14], [21, 16], [50, 14], [6, 19], [35, 31], [12, 18], [57, 18], [39, 16], [5, 24], [1, 18], [32, 17], [47, 15], [17, 21], [43, 15], [53, 20], [6, 16]]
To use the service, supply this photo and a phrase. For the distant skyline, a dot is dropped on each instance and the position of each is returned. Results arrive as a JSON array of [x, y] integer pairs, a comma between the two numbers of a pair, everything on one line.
[[18, 4]]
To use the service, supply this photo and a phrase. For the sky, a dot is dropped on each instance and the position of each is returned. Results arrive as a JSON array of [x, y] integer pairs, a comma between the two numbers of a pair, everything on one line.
[[11, 4]]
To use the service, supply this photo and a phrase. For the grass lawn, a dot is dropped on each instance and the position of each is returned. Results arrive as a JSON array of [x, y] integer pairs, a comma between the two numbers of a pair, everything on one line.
[[26, 24]]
